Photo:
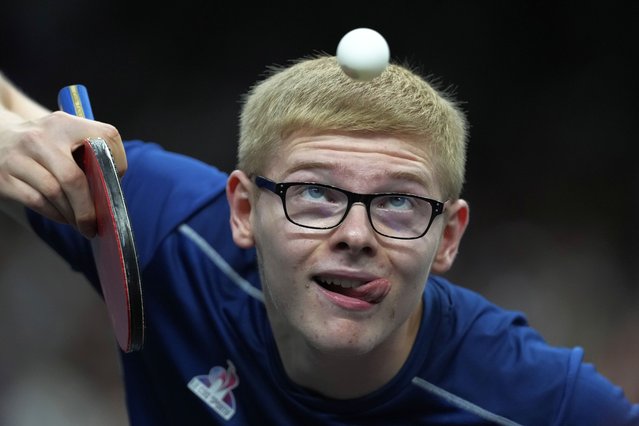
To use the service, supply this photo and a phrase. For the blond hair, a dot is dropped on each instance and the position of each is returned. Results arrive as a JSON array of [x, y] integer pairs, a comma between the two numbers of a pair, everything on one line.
[[313, 95]]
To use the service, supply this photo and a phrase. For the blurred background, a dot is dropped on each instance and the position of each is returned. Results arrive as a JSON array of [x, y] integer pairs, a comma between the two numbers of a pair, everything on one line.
[[550, 91]]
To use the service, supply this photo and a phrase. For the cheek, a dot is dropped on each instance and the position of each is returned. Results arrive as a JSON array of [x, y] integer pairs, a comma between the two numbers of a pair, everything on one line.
[[267, 228], [282, 253], [283, 270], [281, 243], [272, 271], [413, 266]]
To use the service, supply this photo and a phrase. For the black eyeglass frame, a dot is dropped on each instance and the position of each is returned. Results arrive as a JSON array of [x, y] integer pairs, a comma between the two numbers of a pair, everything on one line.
[[280, 188]]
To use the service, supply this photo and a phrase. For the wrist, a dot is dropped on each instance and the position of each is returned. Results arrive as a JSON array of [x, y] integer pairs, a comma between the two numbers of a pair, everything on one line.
[[13, 101]]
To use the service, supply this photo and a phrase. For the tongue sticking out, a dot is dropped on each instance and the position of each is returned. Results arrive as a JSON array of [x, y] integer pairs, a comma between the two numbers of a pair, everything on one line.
[[371, 292]]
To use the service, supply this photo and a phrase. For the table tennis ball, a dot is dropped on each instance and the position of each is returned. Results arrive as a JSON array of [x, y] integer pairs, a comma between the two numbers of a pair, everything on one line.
[[363, 54]]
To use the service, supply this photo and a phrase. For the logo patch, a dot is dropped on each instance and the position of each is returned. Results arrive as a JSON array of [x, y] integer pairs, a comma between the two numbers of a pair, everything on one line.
[[215, 389]]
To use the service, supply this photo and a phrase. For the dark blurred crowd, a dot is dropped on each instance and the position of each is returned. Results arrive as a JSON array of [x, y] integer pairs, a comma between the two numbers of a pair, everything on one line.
[[550, 92]]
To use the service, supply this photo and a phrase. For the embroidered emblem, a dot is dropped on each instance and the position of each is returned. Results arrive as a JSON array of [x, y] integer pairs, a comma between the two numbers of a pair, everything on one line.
[[215, 389]]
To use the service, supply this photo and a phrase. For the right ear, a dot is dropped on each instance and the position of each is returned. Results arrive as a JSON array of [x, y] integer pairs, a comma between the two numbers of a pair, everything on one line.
[[239, 196]]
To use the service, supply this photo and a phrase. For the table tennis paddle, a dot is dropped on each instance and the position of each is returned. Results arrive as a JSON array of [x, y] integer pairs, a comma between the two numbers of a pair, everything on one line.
[[113, 246]]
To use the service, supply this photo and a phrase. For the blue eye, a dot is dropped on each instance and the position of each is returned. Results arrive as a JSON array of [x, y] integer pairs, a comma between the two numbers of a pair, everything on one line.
[[395, 202], [398, 201], [314, 192]]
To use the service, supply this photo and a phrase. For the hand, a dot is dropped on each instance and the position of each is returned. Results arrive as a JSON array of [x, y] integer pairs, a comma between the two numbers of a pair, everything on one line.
[[37, 168]]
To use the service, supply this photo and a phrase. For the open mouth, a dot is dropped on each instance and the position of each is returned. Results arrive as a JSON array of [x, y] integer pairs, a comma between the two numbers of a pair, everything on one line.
[[338, 285], [369, 291]]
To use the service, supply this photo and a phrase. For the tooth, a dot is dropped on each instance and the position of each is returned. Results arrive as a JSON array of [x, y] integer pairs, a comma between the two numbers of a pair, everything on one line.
[[342, 283], [348, 284]]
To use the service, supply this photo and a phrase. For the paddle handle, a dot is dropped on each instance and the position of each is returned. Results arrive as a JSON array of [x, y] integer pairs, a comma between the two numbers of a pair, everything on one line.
[[74, 99]]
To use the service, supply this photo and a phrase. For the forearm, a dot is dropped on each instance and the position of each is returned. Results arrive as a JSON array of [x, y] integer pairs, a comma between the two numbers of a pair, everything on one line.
[[10, 98], [15, 106]]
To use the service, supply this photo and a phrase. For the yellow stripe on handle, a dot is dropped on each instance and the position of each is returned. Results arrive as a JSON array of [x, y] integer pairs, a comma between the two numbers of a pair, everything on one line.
[[77, 102]]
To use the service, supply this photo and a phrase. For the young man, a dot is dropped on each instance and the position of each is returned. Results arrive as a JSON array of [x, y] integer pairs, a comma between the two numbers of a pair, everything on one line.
[[321, 303]]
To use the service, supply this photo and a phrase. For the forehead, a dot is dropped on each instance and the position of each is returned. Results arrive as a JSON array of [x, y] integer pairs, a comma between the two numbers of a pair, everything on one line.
[[355, 159]]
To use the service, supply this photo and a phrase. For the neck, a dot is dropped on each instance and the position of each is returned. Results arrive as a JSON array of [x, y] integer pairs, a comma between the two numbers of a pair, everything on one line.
[[346, 375]]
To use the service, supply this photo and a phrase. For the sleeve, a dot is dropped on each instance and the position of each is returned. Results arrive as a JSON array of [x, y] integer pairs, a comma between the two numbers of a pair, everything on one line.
[[594, 400], [161, 190], [498, 351]]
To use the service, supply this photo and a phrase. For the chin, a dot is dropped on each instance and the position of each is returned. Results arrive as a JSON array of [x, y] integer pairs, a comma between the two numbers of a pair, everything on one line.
[[342, 342]]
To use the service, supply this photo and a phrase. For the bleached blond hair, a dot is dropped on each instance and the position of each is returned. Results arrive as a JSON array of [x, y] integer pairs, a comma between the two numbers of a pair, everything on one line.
[[314, 96]]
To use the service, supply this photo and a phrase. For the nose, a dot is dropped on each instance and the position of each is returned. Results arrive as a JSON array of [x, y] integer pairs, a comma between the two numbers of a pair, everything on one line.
[[355, 234]]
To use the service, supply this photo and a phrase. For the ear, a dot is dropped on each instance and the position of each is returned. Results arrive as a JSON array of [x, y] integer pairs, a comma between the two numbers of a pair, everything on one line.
[[239, 196], [457, 215]]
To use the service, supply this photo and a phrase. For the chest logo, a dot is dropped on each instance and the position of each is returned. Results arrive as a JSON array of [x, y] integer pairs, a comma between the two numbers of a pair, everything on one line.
[[215, 389]]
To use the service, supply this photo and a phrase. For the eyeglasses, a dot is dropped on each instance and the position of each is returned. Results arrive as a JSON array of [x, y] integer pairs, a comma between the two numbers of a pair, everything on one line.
[[318, 206]]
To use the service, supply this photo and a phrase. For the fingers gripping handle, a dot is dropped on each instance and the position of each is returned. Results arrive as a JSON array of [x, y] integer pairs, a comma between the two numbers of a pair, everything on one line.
[[74, 99]]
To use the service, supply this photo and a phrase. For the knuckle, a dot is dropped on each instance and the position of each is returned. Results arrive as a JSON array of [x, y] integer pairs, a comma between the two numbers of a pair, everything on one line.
[[32, 139], [51, 190], [8, 159], [111, 133], [73, 178], [57, 115], [35, 201], [55, 119]]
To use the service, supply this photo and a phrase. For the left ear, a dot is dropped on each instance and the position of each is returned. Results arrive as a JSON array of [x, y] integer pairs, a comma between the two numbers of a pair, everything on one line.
[[456, 216]]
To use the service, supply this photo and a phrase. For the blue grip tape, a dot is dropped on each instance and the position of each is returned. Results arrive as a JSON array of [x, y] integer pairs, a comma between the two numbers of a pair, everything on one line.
[[74, 99]]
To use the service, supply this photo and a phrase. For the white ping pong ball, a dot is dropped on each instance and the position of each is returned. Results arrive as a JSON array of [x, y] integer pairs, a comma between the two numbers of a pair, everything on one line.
[[363, 54]]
